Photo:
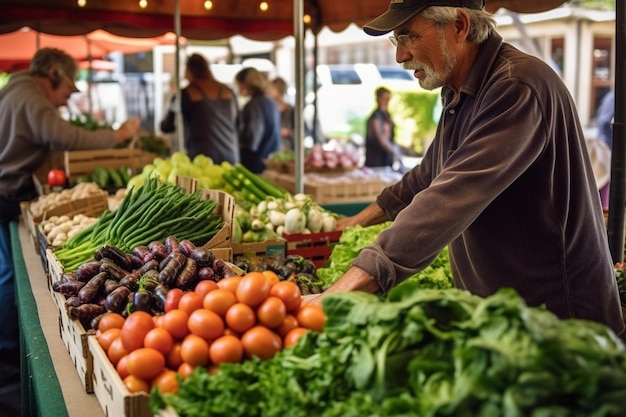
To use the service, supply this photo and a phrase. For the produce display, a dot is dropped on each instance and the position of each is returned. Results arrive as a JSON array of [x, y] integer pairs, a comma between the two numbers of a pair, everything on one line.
[[248, 187], [200, 336], [353, 239], [233, 320], [111, 178], [202, 168], [57, 229], [153, 212], [120, 282], [294, 268], [275, 216], [46, 202], [344, 157], [421, 352]]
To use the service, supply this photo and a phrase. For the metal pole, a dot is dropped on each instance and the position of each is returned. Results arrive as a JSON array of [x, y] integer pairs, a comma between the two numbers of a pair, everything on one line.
[[617, 196], [180, 128], [298, 33]]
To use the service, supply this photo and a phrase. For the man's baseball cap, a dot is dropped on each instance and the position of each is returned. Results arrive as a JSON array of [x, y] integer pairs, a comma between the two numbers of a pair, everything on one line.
[[401, 11]]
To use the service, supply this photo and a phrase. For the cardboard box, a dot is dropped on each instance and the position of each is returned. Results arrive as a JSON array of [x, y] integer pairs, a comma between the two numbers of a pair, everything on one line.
[[74, 338], [315, 247], [112, 394]]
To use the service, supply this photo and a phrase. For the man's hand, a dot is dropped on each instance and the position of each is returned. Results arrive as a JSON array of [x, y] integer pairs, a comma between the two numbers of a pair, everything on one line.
[[127, 130], [355, 279]]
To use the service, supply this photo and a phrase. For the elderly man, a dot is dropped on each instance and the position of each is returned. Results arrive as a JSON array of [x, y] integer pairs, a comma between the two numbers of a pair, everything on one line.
[[507, 183]]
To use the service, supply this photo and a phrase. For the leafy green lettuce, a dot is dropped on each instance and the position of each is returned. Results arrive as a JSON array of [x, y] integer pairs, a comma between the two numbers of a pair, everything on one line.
[[422, 352], [354, 239]]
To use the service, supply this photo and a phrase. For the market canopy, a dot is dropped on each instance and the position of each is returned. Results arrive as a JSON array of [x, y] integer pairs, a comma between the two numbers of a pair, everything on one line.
[[19, 47], [223, 19]]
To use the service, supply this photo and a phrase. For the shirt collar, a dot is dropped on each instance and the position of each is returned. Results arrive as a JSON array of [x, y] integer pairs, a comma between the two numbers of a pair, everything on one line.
[[480, 69]]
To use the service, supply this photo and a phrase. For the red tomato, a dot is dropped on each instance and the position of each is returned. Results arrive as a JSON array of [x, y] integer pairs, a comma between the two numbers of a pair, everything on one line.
[[227, 348], [105, 338], [289, 323], [240, 317], [116, 351], [253, 289], [121, 368], [229, 283], [260, 341], [219, 301], [134, 384], [145, 363], [190, 301], [110, 320], [159, 339], [166, 381], [175, 322], [312, 317], [172, 298], [271, 276], [290, 293], [206, 324], [135, 328], [185, 369], [56, 178], [194, 350], [205, 286], [292, 337], [173, 358], [271, 312]]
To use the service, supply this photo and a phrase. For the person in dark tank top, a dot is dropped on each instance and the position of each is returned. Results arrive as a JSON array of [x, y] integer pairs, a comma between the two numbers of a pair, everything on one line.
[[210, 114]]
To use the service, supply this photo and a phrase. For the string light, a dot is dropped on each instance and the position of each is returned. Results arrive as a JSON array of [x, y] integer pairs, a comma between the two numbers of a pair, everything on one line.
[[143, 3], [208, 5], [263, 6], [82, 3], [306, 19]]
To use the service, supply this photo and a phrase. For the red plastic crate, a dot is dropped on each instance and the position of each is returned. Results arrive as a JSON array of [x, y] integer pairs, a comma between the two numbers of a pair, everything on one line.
[[315, 247]]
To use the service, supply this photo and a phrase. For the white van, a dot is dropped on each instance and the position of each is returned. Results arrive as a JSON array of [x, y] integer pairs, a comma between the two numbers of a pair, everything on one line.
[[346, 94]]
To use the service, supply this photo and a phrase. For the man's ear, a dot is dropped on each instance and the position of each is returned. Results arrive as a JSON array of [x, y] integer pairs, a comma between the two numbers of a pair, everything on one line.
[[462, 25], [55, 78]]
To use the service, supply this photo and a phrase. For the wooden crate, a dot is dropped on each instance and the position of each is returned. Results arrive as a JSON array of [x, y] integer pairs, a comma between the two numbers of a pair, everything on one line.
[[112, 394], [82, 163], [74, 338], [330, 188], [268, 248], [221, 243], [315, 247], [92, 206]]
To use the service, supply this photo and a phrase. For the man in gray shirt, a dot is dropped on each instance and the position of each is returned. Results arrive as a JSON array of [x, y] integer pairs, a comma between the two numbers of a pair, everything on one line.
[[31, 128]]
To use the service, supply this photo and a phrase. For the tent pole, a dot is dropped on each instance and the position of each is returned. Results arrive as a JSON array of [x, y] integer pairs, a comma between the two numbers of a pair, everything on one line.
[[180, 128], [617, 196], [298, 31]]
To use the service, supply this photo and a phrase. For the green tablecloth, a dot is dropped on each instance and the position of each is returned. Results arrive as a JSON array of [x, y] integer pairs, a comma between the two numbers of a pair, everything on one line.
[[51, 386]]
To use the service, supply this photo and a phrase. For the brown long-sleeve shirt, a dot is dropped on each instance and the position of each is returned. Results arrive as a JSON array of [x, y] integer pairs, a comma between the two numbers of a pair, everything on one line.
[[508, 185]]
